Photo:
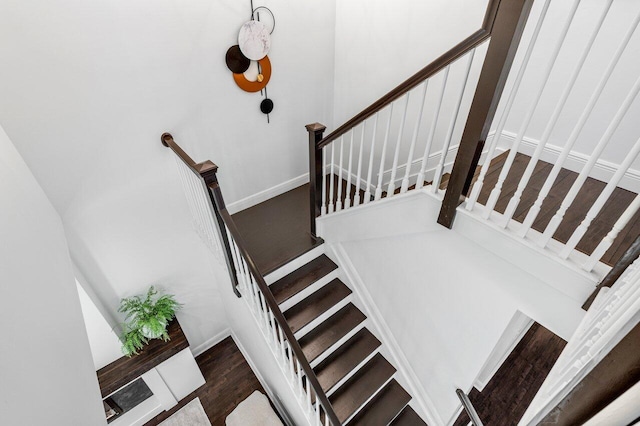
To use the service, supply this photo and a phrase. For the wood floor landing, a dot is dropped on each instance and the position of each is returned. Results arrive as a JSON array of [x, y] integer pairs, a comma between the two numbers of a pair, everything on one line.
[[277, 230], [602, 224], [229, 380]]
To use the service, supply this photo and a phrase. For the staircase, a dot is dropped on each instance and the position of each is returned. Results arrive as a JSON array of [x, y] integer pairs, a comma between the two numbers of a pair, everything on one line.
[[345, 355]]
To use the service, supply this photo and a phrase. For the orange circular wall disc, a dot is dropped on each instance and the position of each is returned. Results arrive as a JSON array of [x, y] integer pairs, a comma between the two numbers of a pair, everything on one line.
[[255, 86]]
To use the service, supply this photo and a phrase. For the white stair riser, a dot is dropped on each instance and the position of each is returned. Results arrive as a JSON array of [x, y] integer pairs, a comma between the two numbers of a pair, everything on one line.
[[294, 264], [319, 320], [309, 290]]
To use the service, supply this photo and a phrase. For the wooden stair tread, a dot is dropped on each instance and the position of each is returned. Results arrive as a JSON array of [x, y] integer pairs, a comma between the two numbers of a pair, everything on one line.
[[362, 386], [346, 358], [330, 331], [301, 278], [384, 407], [408, 417], [316, 304]]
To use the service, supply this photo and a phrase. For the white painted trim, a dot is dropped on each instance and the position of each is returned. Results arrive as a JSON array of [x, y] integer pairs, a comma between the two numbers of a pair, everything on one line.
[[388, 340], [602, 170], [267, 194], [209, 343], [513, 333], [283, 413]]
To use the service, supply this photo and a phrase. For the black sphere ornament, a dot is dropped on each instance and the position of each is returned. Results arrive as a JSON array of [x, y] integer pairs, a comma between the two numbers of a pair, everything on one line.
[[266, 106]]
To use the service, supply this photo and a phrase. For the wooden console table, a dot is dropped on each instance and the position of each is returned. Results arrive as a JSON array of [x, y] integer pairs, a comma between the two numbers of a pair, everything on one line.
[[126, 369], [168, 369]]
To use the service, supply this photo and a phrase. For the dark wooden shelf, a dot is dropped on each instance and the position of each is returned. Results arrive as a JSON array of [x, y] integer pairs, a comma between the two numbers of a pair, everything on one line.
[[123, 370]]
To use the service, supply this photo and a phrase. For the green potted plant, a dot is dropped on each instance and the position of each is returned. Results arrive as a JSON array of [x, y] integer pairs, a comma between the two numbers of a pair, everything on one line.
[[146, 318]]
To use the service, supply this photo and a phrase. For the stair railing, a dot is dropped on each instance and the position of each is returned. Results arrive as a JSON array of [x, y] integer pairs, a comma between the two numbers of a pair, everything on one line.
[[469, 408], [600, 361], [562, 157], [341, 178], [249, 283]]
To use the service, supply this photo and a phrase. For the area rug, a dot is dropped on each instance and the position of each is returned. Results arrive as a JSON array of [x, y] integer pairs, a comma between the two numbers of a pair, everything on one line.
[[253, 411], [191, 414]]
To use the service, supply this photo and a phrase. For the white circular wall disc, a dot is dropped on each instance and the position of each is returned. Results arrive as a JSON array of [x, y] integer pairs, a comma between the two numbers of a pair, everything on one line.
[[254, 40], [251, 74]]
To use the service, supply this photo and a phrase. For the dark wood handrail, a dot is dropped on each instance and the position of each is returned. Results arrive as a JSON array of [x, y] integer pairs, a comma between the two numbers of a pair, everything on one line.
[[207, 167], [462, 48], [629, 256]]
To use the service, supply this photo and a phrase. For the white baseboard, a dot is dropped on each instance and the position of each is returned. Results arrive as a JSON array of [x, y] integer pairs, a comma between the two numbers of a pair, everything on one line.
[[268, 193], [281, 410], [202, 348], [602, 170], [432, 163], [424, 402]]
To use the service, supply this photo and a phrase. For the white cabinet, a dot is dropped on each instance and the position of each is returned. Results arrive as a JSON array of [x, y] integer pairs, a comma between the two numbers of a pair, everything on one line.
[[181, 374]]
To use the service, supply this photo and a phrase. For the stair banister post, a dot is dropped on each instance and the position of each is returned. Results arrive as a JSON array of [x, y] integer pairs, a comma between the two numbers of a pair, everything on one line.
[[208, 172], [316, 174], [506, 32]]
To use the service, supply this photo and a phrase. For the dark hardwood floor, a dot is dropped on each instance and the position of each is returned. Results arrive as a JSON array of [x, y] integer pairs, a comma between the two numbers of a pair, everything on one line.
[[229, 381], [277, 230], [601, 225], [508, 394]]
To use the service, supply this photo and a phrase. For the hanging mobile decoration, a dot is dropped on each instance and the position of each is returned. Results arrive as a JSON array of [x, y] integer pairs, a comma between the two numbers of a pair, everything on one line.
[[248, 60]]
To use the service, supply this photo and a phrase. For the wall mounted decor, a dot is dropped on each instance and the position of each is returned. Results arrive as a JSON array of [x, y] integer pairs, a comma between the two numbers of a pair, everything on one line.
[[248, 60]]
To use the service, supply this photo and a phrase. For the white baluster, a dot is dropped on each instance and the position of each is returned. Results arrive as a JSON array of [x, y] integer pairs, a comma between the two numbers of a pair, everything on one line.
[[283, 352], [339, 199], [300, 376], [548, 184], [497, 189], [432, 130], [581, 230], [274, 333], [392, 183], [356, 197], [367, 192], [291, 363], [263, 309], [515, 200], [309, 396], [323, 209], [378, 194], [347, 197], [331, 207], [608, 240], [477, 186], [586, 169], [414, 138], [454, 118]]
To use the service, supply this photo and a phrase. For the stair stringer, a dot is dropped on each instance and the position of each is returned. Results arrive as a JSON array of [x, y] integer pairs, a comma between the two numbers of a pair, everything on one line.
[[390, 348]]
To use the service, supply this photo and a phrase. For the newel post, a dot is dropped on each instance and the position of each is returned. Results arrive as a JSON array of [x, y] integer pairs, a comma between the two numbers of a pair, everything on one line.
[[506, 31], [315, 131], [209, 174]]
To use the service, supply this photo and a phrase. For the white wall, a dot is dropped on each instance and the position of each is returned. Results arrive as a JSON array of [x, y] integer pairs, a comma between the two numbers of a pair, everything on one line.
[[47, 372], [379, 44], [87, 89], [616, 25], [104, 343]]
